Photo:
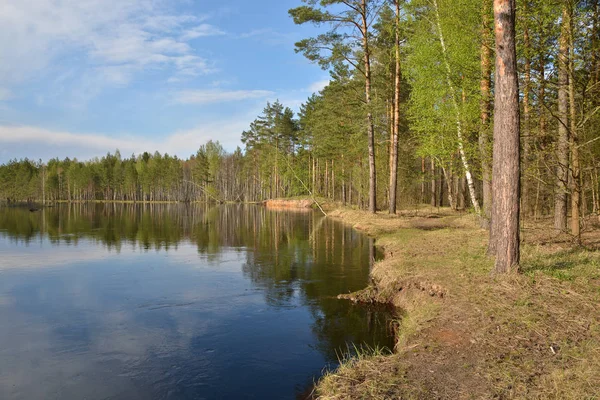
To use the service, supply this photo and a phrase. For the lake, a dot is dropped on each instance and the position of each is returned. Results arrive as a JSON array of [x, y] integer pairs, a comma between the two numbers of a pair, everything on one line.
[[113, 301]]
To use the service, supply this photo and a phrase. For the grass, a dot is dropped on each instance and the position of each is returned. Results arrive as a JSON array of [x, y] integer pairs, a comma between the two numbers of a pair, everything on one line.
[[467, 333], [355, 374]]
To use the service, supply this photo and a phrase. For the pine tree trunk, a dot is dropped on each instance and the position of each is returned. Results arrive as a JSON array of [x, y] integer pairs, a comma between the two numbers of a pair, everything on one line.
[[422, 200], [327, 178], [595, 51], [332, 181], [541, 98], [314, 176], [562, 169], [575, 172], [394, 144], [370, 129], [595, 96], [485, 107], [276, 177], [440, 188], [506, 155], [462, 183], [344, 199], [350, 188], [595, 191], [449, 186], [526, 202], [43, 184], [433, 186]]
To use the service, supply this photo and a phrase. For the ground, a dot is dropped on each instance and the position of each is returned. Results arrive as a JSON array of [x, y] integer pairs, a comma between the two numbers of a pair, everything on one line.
[[465, 333]]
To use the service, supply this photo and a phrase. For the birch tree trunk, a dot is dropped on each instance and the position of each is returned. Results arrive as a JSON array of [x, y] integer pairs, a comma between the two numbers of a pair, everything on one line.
[[506, 157], [461, 148]]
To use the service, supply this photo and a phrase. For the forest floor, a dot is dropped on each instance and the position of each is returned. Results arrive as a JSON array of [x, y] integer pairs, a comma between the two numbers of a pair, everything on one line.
[[467, 334]]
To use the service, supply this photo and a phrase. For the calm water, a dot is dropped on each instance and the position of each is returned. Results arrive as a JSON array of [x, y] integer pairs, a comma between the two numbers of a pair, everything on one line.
[[176, 302]]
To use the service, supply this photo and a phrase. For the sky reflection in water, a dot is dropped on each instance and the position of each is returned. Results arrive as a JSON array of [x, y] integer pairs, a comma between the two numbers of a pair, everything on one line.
[[176, 302]]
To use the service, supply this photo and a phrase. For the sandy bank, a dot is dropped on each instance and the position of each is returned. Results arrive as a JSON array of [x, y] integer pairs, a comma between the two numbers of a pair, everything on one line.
[[288, 203]]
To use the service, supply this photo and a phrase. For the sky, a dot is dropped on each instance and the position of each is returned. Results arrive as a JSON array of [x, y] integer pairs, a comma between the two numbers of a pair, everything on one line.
[[80, 78]]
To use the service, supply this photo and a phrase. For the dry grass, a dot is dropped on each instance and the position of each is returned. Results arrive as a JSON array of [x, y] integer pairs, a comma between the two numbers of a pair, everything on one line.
[[469, 334], [368, 376]]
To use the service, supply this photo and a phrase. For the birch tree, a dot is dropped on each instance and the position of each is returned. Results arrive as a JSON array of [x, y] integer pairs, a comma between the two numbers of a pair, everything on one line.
[[457, 110], [442, 65]]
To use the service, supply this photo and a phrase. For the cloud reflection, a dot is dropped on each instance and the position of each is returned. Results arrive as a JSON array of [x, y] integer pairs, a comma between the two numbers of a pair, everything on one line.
[[174, 302]]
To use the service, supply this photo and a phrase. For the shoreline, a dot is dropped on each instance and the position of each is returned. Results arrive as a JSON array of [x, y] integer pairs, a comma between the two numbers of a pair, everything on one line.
[[465, 333], [276, 204], [139, 202]]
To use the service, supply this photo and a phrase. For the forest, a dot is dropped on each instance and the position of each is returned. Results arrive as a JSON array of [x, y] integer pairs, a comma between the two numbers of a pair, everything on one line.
[[406, 119]]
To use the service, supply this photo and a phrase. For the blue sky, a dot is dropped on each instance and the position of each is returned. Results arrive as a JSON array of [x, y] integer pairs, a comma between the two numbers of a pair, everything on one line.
[[80, 78]]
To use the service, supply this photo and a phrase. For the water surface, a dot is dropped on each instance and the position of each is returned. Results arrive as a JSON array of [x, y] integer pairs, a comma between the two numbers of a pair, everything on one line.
[[177, 302]]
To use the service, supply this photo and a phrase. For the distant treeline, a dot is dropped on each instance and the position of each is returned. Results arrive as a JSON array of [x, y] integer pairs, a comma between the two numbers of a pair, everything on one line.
[[146, 177]]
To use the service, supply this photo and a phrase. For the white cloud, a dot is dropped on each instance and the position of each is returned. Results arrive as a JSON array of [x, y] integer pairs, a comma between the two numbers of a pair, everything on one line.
[[50, 258], [124, 35], [22, 134], [186, 142], [318, 86], [256, 32], [167, 22], [218, 96], [222, 82], [201, 30], [87, 145]]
